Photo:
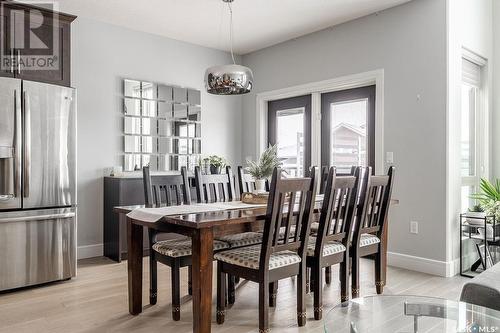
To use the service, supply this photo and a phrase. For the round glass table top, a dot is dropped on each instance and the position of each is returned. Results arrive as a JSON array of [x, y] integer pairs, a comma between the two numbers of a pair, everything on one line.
[[410, 314]]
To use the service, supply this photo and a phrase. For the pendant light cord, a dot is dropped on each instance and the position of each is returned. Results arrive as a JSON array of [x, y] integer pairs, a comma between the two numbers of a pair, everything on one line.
[[231, 30]]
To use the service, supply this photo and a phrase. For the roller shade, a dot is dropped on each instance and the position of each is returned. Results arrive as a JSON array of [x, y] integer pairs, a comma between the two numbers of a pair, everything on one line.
[[471, 73]]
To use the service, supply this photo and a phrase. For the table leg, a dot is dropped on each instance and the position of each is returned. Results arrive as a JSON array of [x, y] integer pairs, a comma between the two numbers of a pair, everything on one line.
[[202, 279], [134, 266]]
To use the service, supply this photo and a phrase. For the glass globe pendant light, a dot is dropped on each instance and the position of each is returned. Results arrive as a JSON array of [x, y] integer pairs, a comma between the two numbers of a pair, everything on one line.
[[229, 79]]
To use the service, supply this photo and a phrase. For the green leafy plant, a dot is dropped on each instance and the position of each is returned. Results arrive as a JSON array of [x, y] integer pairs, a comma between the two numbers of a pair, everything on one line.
[[264, 167], [217, 161], [489, 197], [476, 209]]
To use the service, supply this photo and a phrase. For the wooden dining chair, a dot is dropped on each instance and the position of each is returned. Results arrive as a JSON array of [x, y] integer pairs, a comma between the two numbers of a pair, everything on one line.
[[277, 257], [324, 176], [330, 245], [246, 183], [220, 188], [176, 253], [314, 226], [370, 227]]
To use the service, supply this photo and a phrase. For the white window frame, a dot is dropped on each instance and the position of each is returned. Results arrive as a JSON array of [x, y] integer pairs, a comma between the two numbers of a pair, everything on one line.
[[482, 123], [375, 77]]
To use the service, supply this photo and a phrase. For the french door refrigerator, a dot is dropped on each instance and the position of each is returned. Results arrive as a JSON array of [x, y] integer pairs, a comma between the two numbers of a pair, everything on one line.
[[37, 183]]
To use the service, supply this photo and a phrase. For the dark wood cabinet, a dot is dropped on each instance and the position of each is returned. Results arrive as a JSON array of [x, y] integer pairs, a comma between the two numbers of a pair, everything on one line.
[[7, 67], [125, 191], [41, 52]]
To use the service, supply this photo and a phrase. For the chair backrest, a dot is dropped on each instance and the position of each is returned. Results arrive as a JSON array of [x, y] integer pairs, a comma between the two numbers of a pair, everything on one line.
[[324, 176], [166, 190], [246, 182], [338, 209], [375, 201], [290, 200], [214, 188]]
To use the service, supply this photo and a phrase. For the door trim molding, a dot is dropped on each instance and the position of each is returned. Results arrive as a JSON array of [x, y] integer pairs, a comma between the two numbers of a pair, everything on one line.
[[316, 88]]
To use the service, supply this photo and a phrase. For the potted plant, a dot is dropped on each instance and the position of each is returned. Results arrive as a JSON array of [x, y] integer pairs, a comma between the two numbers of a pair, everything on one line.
[[216, 164], [475, 215], [205, 165], [262, 169], [489, 199]]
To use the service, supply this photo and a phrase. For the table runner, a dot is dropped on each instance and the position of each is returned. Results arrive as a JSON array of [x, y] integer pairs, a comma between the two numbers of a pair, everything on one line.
[[155, 214]]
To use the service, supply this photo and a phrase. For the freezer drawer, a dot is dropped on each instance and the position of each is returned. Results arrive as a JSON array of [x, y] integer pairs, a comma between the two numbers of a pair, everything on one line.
[[37, 247]]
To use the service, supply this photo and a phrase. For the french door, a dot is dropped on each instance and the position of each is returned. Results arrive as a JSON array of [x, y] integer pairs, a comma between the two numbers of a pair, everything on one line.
[[289, 126], [348, 128], [345, 120]]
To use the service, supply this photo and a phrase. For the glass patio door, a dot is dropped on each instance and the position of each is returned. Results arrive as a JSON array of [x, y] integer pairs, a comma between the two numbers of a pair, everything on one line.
[[348, 128], [289, 126]]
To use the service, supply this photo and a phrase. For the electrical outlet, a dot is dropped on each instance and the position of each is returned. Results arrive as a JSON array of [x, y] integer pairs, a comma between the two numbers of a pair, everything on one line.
[[413, 227]]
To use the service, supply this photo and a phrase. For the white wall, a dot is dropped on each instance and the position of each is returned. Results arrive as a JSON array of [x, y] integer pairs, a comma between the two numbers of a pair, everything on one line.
[[102, 55], [470, 26], [409, 43]]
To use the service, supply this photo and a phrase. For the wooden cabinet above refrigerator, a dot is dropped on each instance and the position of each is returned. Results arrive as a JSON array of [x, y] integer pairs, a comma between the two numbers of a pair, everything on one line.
[[35, 43]]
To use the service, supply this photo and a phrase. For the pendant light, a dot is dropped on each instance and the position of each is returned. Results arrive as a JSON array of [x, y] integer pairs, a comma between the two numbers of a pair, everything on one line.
[[229, 79]]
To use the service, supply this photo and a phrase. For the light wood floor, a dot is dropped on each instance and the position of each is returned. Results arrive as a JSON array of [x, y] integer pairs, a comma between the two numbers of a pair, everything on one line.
[[96, 301]]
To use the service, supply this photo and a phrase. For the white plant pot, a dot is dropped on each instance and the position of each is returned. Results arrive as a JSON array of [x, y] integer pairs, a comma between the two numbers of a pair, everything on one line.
[[475, 218], [260, 185]]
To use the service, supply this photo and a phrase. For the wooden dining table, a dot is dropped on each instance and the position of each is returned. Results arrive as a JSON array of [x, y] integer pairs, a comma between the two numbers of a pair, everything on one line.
[[202, 228]]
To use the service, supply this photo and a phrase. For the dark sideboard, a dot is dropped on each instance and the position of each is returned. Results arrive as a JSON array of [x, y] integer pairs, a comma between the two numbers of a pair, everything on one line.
[[123, 191]]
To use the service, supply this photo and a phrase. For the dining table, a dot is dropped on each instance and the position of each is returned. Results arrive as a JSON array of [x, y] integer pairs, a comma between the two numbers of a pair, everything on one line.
[[203, 226]]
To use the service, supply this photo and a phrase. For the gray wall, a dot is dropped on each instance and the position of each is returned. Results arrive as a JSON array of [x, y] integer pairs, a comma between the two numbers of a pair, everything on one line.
[[409, 43], [102, 55]]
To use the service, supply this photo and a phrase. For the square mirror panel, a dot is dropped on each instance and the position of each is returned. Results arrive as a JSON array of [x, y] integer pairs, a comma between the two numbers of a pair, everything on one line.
[[132, 88]]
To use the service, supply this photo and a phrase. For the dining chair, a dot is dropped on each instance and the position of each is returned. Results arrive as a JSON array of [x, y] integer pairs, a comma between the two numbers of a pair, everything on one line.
[[220, 188], [160, 191], [277, 257], [246, 183], [330, 245], [314, 226], [370, 227]]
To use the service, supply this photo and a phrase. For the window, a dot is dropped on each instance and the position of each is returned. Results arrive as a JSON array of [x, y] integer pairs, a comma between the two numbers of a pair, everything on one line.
[[289, 125], [348, 128], [471, 129]]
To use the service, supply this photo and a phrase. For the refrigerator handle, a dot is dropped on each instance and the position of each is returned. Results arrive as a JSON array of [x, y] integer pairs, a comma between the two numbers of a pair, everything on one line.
[[16, 145], [27, 145]]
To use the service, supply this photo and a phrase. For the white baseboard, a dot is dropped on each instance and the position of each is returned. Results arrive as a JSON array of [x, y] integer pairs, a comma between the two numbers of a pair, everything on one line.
[[424, 265], [90, 251]]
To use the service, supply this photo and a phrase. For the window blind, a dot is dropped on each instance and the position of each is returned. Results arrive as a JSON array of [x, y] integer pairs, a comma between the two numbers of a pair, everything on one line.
[[471, 73]]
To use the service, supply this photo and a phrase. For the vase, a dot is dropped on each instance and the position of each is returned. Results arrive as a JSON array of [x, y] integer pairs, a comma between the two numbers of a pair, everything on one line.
[[215, 170], [260, 185]]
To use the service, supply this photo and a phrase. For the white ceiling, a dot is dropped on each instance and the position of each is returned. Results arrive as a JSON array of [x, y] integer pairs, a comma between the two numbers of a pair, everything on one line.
[[257, 23]]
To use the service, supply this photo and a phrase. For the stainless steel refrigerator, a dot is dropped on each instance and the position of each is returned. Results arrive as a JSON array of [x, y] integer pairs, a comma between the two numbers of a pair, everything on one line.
[[37, 183]]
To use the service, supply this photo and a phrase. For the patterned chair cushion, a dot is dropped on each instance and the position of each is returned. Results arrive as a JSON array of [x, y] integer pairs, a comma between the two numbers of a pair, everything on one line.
[[243, 239], [249, 256], [181, 247], [368, 239], [329, 248]]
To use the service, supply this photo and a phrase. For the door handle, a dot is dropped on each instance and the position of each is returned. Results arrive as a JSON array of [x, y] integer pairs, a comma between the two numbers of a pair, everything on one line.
[[16, 147], [27, 145], [18, 61]]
